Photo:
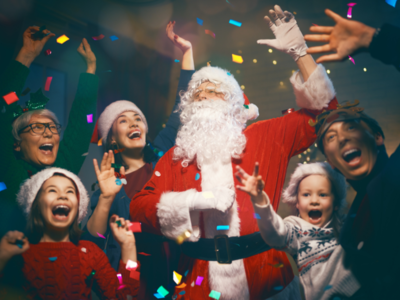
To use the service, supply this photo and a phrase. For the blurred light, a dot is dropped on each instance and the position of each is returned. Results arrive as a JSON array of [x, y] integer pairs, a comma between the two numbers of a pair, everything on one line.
[[295, 13], [281, 83], [254, 60], [238, 71], [299, 156], [242, 87], [315, 145], [274, 62], [391, 2], [328, 71], [293, 71], [240, 51], [304, 163], [305, 152], [163, 125], [309, 150], [308, 159], [365, 69], [270, 50]]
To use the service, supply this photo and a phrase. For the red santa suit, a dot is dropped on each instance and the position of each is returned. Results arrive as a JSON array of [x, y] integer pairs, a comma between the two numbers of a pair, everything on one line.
[[162, 208]]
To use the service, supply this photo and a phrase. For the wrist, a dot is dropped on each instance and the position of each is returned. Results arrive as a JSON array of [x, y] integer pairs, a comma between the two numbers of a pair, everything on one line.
[[259, 200], [91, 69], [25, 57], [367, 36], [5, 256]]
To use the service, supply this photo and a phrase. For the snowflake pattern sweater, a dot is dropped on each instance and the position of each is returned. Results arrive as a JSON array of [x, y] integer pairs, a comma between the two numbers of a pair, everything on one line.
[[317, 253], [68, 271]]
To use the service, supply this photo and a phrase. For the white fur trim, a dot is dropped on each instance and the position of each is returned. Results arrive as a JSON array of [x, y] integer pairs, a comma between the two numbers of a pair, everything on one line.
[[174, 217], [30, 188], [230, 280], [337, 180], [290, 292], [252, 112], [112, 111], [316, 92]]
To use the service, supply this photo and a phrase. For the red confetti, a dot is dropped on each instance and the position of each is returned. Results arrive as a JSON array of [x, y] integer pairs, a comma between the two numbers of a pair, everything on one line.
[[135, 275], [145, 254], [10, 98], [288, 111], [48, 82], [47, 52], [314, 24], [119, 150], [135, 227], [210, 33], [97, 38]]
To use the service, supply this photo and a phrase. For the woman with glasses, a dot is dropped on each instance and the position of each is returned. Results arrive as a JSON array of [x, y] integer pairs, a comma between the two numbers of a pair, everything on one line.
[[30, 135]]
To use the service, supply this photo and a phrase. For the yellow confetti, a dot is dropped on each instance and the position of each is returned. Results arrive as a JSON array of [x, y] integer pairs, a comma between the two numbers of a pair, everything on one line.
[[100, 142], [237, 59], [62, 39], [177, 277], [183, 237]]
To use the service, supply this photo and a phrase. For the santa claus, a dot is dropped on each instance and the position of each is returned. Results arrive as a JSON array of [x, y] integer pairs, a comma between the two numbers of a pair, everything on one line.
[[194, 188]]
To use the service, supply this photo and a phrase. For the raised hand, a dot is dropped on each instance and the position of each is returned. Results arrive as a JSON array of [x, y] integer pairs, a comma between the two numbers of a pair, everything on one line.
[[124, 237], [106, 176], [252, 185], [178, 41], [32, 47], [86, 52], [13, 243], [288, 37], [344, 38]]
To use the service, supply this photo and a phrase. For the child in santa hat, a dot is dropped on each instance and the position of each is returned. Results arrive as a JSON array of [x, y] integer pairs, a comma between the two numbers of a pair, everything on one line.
[[319, 195], [56, 265]]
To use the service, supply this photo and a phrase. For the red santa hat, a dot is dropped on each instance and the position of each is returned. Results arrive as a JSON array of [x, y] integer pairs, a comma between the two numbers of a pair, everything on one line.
[[110, 114], [31, 187], [227, 82]]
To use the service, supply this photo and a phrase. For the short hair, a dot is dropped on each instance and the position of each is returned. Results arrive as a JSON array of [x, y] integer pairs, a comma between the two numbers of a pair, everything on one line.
[[24, 119]]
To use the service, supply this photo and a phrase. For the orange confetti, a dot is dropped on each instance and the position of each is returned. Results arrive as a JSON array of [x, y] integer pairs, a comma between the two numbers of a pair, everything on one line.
[[100, 142], [181, 286], [210, 33], [119, 150], [237, 59]]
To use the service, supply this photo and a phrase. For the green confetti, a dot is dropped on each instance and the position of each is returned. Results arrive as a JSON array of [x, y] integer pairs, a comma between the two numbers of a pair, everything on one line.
[[246, 106], [119, 223], [162, 291], [214, 294]]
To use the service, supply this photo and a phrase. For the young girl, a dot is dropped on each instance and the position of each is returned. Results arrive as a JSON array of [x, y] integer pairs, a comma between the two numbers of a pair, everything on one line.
[[123, 128], [319, 194], [56, 265]]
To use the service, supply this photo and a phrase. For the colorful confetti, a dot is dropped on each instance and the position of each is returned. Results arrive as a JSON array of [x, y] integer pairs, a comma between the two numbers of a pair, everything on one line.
[[214, 294], [199, 21], [19, 243], [176, 277], [391, 2], [26, 91], [237, 59], [350, 5], [158, 296], [48, 82], [100, 235], [162, 291], [158, 174], [288, 111], [197, 177], [123, 180], [208, 195], [131, 265], [135, 275], [118, 223], [199, 280], [183, 237], [176, 60], [97, 38], [135, 227], [209, 32], [113, 38], [352, 59], [223, 227], [119, 276], [181, 286], [100, 142], [187, 271], [145, 254], [182, 293], [278, 288], [53, 258], [47, 52], [62, 39], [256, 216], [118, 181], [89, 118], [360, 245], [10, 98], [236, 23]]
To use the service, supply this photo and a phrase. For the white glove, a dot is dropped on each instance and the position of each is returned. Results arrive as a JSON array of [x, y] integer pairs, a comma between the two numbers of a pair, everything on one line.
[[289, 38], [220, 198]]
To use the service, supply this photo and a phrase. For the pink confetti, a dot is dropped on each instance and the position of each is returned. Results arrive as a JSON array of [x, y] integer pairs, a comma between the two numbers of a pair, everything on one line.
[[350, 5], [119, 278], [199, 280], [135, 227], [352, 60], [100, 235], [89, 118], [47, 85], [47, 52], [97, 38]]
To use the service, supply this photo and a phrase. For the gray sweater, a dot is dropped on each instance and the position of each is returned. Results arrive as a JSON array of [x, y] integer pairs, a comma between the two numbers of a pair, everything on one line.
[[317, 253]]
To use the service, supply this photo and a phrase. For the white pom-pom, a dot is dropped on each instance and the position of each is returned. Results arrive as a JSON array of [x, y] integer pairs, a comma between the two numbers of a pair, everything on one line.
[[252, 112]]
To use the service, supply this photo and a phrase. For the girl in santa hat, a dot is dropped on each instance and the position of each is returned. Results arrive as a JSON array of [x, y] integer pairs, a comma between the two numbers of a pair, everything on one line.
[[122, 127], [55, 264], [319, 194]]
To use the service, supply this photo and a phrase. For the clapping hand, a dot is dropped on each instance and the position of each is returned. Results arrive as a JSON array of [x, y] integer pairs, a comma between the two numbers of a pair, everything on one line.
[[252, 185]]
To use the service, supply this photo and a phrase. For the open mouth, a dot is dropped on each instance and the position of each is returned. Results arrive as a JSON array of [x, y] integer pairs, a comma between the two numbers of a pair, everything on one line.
[[134, 135], [315, 215], [47, 148], [61, 211], [352, 156]]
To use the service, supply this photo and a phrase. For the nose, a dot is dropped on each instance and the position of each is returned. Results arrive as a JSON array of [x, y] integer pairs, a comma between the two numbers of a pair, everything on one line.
[[343, 139], [314, 200], [47, 132]]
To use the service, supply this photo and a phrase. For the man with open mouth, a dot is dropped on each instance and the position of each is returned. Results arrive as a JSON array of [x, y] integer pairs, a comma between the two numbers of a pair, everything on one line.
[[353, 143]]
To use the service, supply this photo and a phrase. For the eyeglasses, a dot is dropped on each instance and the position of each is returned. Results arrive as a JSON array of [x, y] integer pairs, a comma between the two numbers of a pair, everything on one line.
[[209, 91], [40, 128]]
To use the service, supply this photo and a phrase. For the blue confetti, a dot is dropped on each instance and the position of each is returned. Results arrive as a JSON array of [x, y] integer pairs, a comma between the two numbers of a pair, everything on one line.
[[182, 293], [223, 227], [158, 296], [53, 258], [160, 154], [113, 38], [229, 74], [176, 60], [236, 23], [257, 216], [186, 273], [327, 287], [278, 288], [197, 176], [199, 21], [391, 2], [118, 181], [19, 243], [2, 186]]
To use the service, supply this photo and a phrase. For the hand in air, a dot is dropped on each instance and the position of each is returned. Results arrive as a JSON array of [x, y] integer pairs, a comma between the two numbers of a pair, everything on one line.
[[121, 232], [181, 43], [13, 243], [288, 37], [344, 38], [252, 185], [106, 175], [86, 52]]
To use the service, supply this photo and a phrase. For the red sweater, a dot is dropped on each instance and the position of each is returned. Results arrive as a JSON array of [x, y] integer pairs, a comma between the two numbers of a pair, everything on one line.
[[62, 271]]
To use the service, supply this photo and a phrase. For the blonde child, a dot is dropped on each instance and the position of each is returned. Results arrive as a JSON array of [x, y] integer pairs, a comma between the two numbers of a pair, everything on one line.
[[318, 193]]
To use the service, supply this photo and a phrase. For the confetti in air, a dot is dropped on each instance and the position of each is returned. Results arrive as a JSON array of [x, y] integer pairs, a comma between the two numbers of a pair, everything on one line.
[[89, 118], [47, 52], [352, 59], [135, 227], [237, 59], [48, 82], [62, 39], [97, 38], [215, 294], [176, 277], [53, 258], [257, 216], [223, 227], [176, 60], [162, 291], [100, 235], [236, 23], [200, 21], [197, 176], [113, 38], [210, 33], [10, 98], [199, 280], [350, 5], [181, 286], [391, 2]]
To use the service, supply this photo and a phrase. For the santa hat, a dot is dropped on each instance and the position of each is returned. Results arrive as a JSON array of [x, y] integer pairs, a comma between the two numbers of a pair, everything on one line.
[[337, 180], [227, 80], [31, 187], [110, 114]]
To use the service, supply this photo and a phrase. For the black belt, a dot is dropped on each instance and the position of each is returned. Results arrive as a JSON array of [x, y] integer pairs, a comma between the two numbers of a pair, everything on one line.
[[224, 249]]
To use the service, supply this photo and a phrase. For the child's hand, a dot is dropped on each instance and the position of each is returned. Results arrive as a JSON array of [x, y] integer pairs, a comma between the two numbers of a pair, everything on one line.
[[181, 43], [124, 237], [106, 176], [252, 185], [13, 243]]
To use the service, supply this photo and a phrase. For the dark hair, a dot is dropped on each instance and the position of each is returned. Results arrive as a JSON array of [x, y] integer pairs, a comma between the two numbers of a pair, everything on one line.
[[36, 225]]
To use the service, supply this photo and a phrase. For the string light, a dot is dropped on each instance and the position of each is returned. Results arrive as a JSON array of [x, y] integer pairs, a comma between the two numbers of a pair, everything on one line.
[[238, 71], [365, 69], [240, 51], [328, 71], [270, 50], [242, 87], [254, 60], [274, 62], [281, 83]]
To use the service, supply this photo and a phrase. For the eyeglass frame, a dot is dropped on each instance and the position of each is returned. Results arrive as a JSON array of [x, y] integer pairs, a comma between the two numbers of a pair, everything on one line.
[[46, 125]]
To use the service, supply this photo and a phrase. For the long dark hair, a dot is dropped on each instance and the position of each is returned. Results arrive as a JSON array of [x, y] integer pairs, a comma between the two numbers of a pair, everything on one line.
[[36, 225]]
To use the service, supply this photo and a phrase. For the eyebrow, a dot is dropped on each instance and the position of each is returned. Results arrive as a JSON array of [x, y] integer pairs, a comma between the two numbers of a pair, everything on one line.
[[136, 114], [57, 187]]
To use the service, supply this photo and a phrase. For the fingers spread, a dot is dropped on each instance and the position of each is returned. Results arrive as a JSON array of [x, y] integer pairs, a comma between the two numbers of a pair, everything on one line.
[[270, 23], [333, 15], [330, 57], [317, 37], [321, 29], [275, 17], [319, 49], [86, 44], [288, 16], [279, 11]]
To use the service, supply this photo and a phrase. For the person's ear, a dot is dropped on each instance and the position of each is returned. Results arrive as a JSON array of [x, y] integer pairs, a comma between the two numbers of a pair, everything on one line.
[[17, 147], [379, 139], [297, 205]]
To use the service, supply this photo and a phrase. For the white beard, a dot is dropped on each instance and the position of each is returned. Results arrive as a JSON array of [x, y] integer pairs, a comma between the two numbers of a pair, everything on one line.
[[211, 131]]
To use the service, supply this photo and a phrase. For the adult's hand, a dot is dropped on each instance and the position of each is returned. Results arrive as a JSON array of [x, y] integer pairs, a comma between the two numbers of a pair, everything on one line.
[[184, 45], [86, 52], [31, 47], [9, 246], [344, 38], [288, 37]]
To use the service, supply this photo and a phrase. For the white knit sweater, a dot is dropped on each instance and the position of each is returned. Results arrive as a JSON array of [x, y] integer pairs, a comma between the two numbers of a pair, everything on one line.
[[316, 251]]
